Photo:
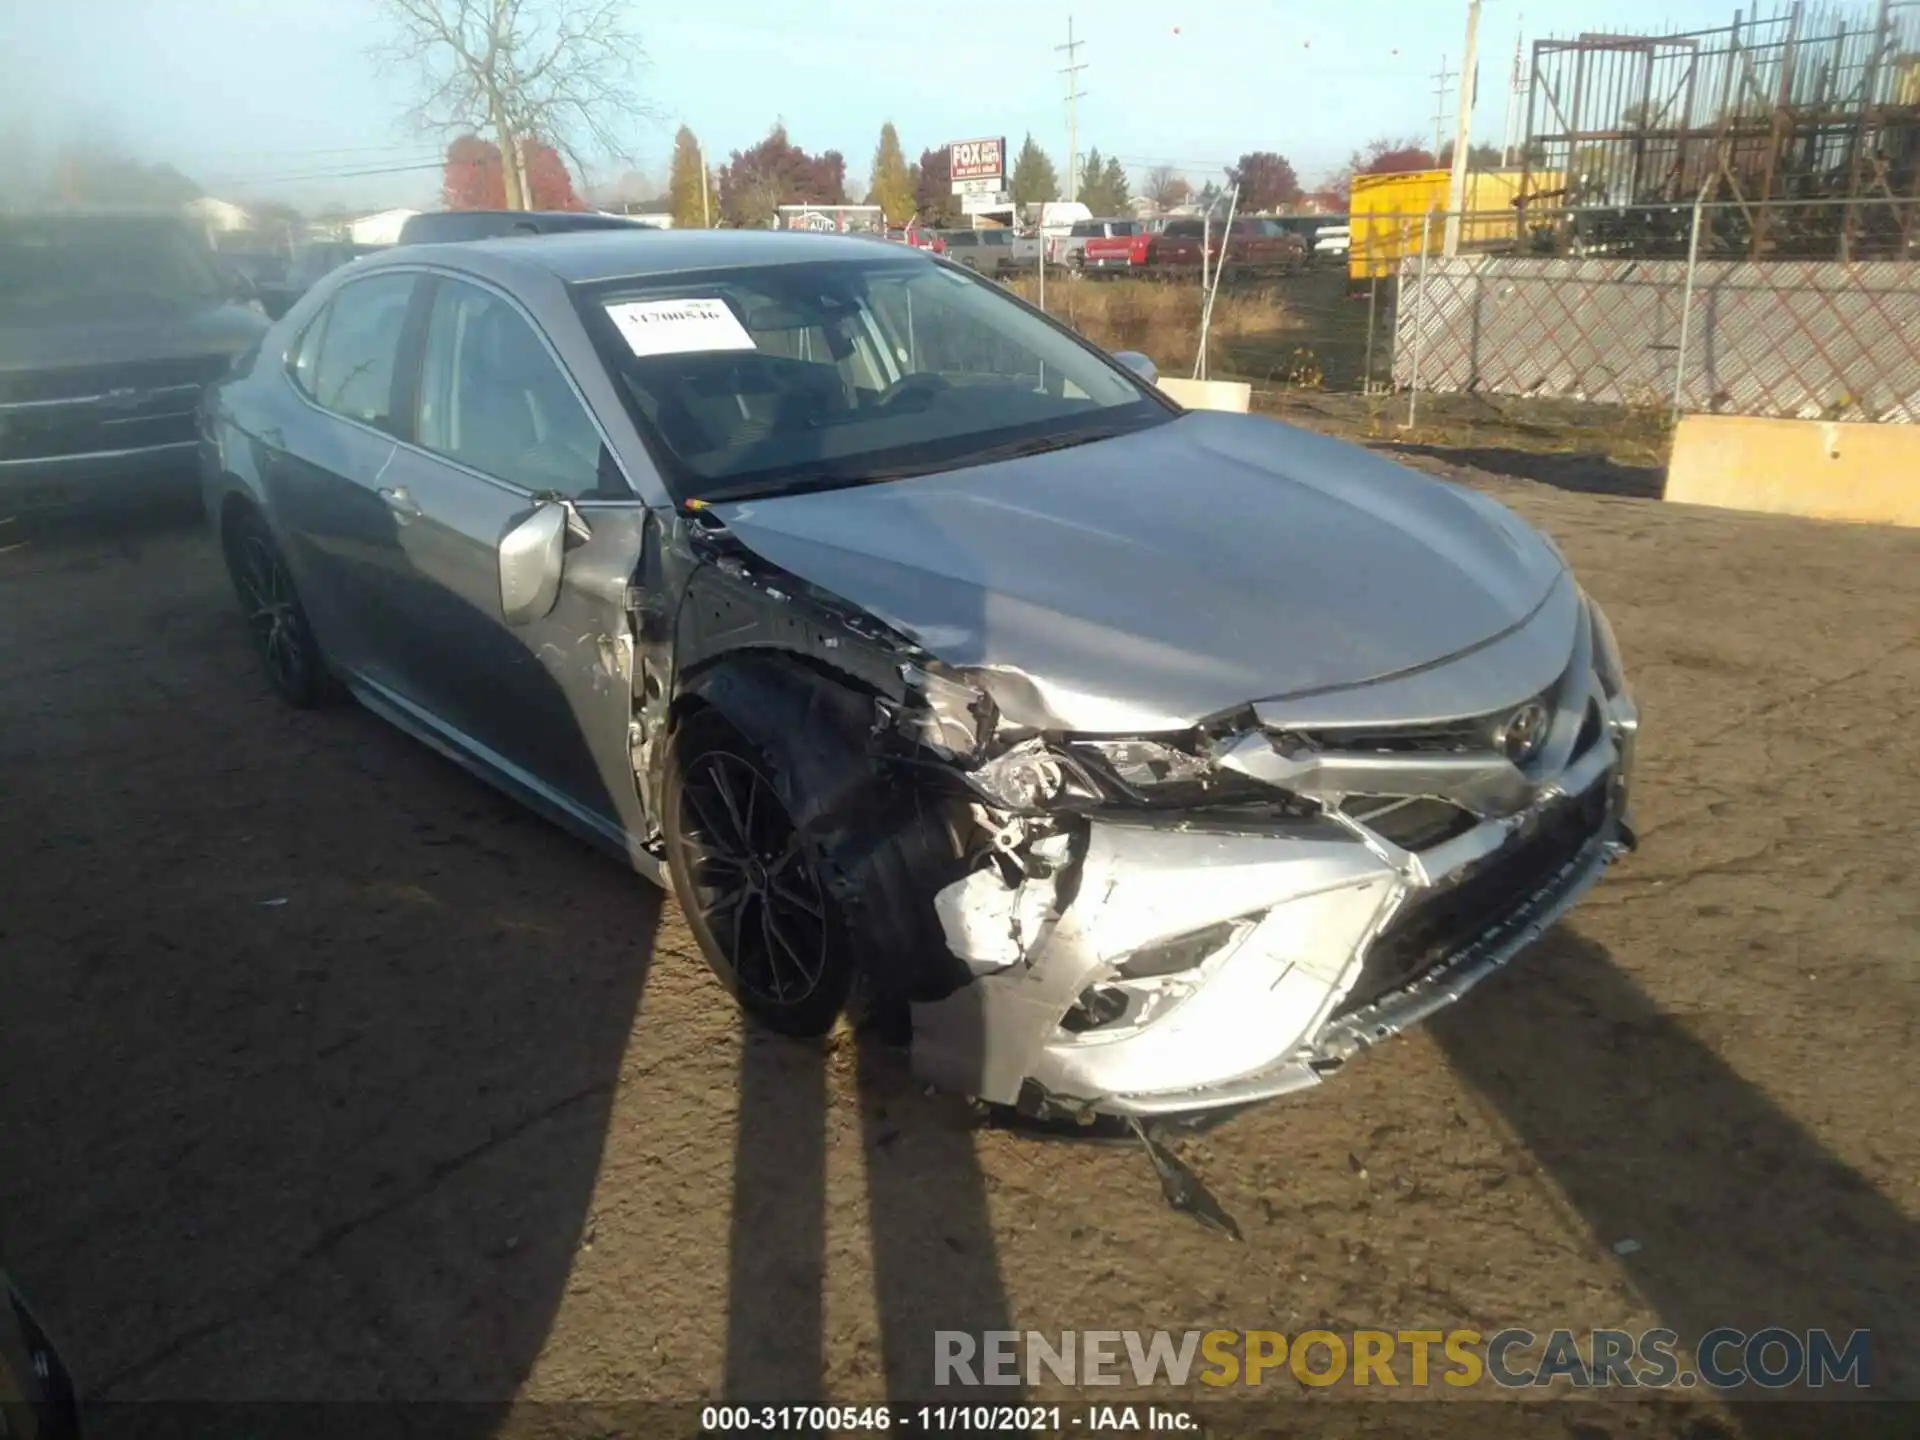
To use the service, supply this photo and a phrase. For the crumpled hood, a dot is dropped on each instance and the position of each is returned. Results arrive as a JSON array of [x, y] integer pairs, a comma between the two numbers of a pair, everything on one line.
[[1149, 582]]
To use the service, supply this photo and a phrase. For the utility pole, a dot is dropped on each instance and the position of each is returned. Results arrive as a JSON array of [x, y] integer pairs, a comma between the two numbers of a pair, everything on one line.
[[1463, 131], [706, 206], [1442, 87], [1071, 71], [1514, 89]]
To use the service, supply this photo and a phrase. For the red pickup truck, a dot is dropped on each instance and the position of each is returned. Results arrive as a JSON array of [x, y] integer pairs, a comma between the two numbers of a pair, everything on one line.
[[1255, 246]]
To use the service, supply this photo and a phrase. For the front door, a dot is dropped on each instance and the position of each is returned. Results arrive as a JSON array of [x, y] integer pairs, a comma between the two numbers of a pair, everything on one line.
[[497, 425]]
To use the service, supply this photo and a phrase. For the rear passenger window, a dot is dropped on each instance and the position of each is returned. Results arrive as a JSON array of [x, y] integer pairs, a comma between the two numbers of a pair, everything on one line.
[[359, 341]]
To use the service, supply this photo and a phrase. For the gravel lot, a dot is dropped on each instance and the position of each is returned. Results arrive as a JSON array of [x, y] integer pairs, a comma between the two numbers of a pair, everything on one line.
[[327, 1073]]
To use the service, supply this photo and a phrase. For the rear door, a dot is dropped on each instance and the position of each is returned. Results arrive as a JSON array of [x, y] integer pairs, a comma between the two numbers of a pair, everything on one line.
[[496, 425], [322, 470]]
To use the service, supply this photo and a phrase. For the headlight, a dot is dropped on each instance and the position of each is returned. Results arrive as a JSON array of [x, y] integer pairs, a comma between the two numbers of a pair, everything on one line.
[[1606, 652], [1146, 763], [1027, 777]]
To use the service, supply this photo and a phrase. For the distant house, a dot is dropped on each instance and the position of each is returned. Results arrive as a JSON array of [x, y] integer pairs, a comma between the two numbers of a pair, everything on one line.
[[218, 217], [380, 228]]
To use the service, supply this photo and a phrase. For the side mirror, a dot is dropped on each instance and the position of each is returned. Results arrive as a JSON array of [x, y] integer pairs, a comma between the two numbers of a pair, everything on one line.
[[1139, 365], [533, 560]]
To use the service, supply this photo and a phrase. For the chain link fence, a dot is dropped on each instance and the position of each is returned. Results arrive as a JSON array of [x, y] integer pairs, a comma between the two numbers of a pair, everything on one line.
[[1804, 338]]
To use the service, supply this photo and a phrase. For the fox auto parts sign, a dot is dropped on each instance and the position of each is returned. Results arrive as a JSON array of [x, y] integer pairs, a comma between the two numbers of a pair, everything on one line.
[[977, 159]]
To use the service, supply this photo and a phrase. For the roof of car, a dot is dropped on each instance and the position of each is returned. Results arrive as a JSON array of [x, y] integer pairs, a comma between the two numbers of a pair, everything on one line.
[[479, 224], [584, 256]]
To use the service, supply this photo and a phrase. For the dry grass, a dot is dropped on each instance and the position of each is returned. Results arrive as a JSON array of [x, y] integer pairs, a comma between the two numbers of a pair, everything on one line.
[[1160, 320]]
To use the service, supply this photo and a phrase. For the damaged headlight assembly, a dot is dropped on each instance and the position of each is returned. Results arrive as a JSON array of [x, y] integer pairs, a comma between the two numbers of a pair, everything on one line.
[[1036, 774]]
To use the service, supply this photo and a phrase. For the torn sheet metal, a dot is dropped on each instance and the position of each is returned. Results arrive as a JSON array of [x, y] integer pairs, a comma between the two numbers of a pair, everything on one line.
[[990, 921], [1256, 1010], [1139, 886]]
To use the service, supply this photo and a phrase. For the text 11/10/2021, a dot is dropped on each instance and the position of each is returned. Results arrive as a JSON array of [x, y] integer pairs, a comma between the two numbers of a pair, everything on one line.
[[944, 1419]]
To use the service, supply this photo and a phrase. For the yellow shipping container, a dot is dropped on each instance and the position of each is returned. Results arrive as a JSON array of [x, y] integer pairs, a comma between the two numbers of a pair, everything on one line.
[[1387, 212]]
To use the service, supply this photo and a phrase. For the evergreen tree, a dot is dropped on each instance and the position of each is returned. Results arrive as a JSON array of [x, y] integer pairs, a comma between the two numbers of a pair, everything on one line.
[[685, 189], [892, 184], [1034, 180]]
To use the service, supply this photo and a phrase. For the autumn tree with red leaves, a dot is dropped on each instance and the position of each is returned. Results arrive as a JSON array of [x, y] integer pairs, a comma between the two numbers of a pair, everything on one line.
[[933, 189], [474, 178], [755, 183], [1392, 157], [1266, 181]]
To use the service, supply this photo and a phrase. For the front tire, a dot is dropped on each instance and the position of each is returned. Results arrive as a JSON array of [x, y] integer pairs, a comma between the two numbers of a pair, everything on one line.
[[282, 637], [750, 882]]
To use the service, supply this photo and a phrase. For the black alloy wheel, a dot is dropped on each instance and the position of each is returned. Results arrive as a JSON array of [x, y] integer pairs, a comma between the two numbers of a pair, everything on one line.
[[750, 883], [281, 636]]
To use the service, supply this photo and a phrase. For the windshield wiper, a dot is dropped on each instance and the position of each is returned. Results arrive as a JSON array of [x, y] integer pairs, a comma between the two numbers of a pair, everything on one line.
[[846, 480], [1041, 444]]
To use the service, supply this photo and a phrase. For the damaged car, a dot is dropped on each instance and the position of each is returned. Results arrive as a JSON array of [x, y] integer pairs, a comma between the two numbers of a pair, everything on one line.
[[1135, 762]]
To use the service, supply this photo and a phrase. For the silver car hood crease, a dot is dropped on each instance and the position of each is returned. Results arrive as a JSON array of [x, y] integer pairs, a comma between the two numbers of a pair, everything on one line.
[[1152, 581]]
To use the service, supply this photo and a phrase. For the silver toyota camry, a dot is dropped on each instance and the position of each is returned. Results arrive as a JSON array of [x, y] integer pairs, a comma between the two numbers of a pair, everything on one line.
[[1136, 762]]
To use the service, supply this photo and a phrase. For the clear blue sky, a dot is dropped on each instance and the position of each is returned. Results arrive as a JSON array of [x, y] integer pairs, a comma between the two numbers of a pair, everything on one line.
[[246, 95]]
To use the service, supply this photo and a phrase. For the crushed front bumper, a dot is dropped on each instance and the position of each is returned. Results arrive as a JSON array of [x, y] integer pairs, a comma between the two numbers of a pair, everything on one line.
[[1302, 946]]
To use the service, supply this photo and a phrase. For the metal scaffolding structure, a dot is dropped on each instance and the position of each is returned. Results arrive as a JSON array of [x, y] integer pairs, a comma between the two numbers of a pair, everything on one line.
[[1759, 122]]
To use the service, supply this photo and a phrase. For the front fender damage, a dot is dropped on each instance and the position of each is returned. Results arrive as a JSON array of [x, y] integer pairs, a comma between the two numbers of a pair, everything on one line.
[[1169, 953]]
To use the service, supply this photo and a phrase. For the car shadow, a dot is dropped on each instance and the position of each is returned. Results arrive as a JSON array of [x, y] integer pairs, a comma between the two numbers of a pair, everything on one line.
[[1587, 473], [929, 1230], [1738, 1216], [312, 1039]]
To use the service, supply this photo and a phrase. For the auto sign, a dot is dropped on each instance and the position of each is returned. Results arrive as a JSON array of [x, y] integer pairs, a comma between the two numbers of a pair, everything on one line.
[[977, 159]]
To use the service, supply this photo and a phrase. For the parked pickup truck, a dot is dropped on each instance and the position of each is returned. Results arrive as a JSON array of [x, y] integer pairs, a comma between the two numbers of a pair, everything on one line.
[[1066, 249], [1256, 246], [988, 251]]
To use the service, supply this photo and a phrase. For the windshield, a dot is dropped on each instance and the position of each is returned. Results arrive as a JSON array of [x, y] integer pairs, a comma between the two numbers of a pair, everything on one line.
[[102, 269], [753, 382]]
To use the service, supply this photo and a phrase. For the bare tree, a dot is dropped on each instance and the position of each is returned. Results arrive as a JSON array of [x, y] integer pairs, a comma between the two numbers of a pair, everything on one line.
[[1167, 187], [562, 71]]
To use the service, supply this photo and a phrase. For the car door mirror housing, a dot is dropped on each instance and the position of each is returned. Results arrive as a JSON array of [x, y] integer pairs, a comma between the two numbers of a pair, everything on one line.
[[533, 558], [1139, 365]]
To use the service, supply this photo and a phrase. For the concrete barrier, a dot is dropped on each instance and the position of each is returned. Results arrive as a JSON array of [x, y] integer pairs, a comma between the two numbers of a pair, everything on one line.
[[1826, 470], [1235, 395]]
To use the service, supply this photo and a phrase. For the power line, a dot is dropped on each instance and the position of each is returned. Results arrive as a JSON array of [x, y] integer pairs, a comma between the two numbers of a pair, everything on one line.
[[238, 180], [1071, 71], [350, 152]]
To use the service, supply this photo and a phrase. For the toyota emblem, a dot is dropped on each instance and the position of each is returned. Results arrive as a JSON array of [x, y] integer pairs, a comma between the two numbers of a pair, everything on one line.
[[1520, 736]]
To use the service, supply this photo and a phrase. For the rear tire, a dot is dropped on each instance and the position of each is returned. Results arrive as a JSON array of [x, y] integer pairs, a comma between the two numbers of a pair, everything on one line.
[[282, 637]]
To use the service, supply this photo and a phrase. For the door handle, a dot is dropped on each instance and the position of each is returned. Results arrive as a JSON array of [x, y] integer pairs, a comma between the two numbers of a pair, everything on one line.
[[401, 503]]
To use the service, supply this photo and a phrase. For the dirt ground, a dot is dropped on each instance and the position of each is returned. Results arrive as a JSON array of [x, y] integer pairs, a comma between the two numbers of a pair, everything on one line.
[[327, 1073]]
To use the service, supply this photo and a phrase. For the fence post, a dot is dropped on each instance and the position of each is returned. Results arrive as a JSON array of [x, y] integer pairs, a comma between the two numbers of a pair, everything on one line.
[[1420, 321], [1686, 303], [1040, 233], [1373, 307]]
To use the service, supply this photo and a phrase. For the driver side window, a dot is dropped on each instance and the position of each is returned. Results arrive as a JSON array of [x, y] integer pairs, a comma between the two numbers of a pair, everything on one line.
[[493, 398]]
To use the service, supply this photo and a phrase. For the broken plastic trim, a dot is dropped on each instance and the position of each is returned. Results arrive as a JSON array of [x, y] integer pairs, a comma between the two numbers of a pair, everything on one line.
[[951, 718]]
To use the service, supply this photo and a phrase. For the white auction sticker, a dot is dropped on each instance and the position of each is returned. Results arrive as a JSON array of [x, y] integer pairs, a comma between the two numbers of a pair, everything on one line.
[[679, 327]]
